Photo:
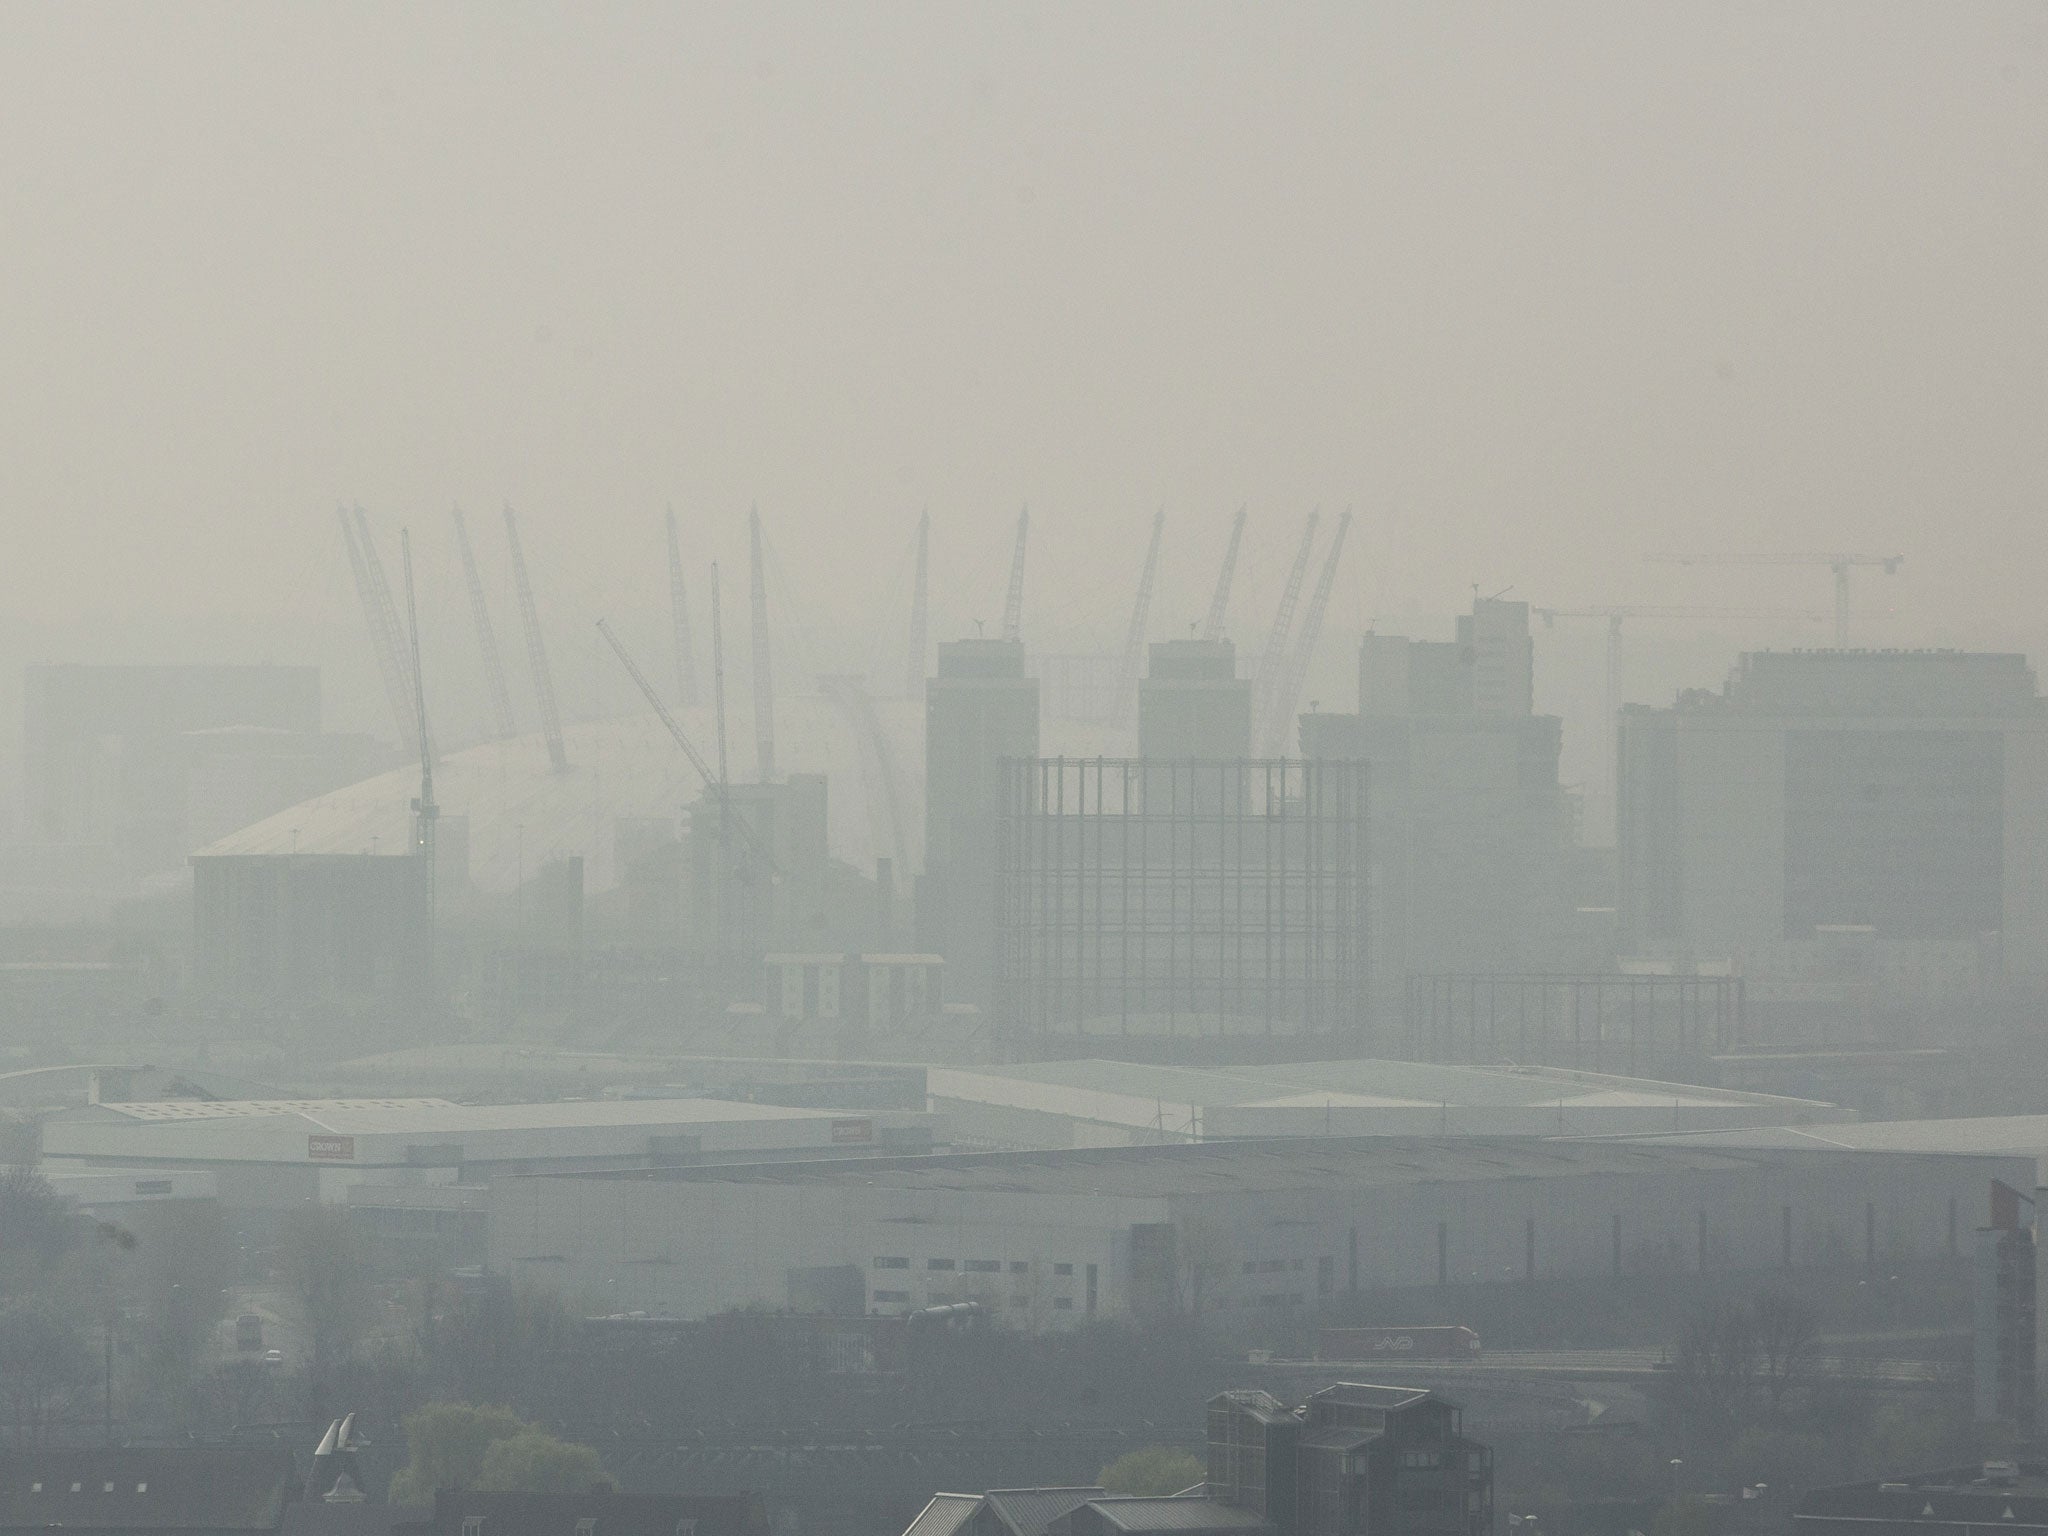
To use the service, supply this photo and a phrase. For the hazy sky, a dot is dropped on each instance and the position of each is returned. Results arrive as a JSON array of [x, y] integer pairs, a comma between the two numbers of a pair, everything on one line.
[[1537, 288]]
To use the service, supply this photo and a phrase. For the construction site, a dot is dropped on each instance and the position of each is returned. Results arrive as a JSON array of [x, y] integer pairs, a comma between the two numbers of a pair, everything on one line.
[[963, 848]]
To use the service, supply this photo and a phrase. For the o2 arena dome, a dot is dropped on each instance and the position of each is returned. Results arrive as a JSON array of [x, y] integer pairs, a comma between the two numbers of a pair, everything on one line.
[[521, 814]]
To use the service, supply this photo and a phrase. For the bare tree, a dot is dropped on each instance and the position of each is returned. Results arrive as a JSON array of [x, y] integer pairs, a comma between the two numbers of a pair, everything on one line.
[[1787, 1341]]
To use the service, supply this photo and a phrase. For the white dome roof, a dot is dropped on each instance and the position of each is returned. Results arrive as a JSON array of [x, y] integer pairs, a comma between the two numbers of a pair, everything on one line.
[[520, 813]]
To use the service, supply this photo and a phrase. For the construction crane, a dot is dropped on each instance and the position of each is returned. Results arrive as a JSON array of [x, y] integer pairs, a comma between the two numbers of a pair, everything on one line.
[[424, 812], [718, 671], [1273, 664], [1013, 602], [913, 676], [1841, 565], [1305, 644], [383, 641], [536, 650], [679, 612], [486, 636], [387, 609], [1212, 626], [716, 786], [1615, 616], [764, 661], [1124, 702], [880, 780]]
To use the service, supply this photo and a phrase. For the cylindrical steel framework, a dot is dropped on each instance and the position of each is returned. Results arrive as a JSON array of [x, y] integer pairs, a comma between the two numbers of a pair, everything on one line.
[[1190, 898]]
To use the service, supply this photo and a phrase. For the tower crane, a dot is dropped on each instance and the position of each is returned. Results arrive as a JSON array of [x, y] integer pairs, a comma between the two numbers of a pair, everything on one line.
[[1615, 616], [383, 640], [758, 860], [425, 813], [536, 650], [1305, 644], [1273, 664], [1013, 602], [764, 662], [486, 636], [718, 673], [387, 609], [1212, 626], [679, 613], [1841, 565], [1125, 701], [913, 676]]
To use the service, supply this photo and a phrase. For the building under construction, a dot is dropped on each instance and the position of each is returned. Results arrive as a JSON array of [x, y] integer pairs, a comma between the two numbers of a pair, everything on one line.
[[1219, 900]]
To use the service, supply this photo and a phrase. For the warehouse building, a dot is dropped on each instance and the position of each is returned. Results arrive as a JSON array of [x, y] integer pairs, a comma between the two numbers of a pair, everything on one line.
[[284, 1153], [1051, 1239], [1120, 1103]]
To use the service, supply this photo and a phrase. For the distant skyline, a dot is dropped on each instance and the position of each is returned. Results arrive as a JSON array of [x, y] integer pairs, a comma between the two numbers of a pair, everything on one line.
[[1534, 290]]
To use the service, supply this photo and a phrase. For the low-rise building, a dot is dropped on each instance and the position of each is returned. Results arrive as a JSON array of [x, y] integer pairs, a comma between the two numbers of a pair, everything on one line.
[[283, 1153], [1999, 1495], [197, 1491], [1253, 1228], [1353, 1458], [1121, 1103]]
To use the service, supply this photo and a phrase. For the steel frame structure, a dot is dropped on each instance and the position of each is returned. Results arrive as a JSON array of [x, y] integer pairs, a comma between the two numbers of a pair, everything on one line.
[[1599, 1021], [1180, 898]]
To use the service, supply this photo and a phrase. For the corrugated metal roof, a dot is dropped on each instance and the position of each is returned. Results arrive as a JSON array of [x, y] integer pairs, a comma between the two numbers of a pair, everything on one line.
[[944, 1515], [1028, 1511], [1090, 1087], [245, 1109], [368, 1117], [1989, 1135], [1177, 1513], [1160, 1172]]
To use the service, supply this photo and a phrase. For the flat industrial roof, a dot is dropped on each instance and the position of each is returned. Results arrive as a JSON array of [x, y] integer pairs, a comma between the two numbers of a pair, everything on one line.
[[1294, 1163], [369, 1117], [1359, 1081], [1988, 1135]]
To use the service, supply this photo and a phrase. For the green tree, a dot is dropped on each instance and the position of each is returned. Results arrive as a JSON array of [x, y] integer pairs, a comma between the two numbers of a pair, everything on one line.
[[534, 1461], [1153, 1470], [447, 1443], [500, 1343]]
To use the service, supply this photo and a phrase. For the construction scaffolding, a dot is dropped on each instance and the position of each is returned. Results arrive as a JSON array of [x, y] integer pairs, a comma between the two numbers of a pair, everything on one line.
[[1598, 1022], [1180, 900]]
